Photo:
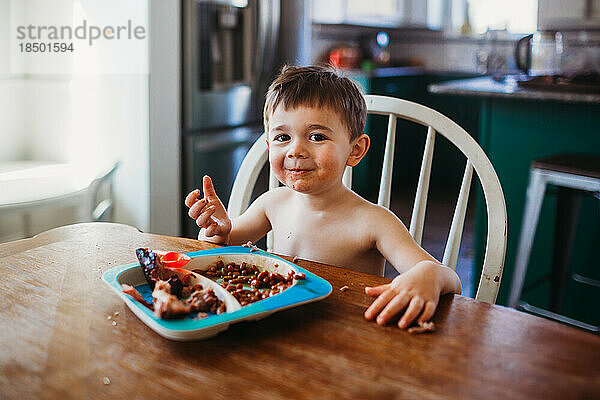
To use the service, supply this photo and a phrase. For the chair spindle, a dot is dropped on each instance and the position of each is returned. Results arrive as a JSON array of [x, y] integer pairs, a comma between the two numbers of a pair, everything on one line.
[[385, 184], [418, 214], [458, 220]]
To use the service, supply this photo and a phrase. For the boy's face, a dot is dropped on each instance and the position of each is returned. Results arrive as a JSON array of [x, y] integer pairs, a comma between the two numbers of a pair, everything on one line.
[[308, 148]]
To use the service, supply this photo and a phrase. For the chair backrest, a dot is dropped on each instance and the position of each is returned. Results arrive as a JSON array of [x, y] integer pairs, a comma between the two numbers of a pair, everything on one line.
[[436, 123]]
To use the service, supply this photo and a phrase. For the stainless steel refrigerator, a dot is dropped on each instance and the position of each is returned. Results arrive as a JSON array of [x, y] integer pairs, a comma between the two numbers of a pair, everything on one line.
[[231, 51]]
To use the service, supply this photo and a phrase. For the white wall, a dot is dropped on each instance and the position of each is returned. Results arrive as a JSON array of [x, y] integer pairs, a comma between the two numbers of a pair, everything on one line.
[[95, 118], [110, 123], [165, 115], [12, 128]]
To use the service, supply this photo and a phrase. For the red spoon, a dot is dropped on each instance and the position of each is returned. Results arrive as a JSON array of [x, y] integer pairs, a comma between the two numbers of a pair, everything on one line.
[[174, 260]]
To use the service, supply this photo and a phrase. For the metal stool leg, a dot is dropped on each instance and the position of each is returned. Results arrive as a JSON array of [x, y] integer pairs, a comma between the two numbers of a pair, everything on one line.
[[535, 198], [568, 206]]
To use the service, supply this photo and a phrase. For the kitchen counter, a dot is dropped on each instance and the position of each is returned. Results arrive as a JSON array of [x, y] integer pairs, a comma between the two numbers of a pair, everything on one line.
[[508, 88], [384, 72], [408, 71]]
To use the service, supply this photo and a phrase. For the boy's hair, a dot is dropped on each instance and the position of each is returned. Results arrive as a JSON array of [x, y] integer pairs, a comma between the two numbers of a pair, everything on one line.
[[318, 86]]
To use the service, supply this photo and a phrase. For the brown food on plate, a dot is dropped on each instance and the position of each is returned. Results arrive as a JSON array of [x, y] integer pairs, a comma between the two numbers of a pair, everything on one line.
[[247, 283], [173, 297], [169, 306], [301, 275]]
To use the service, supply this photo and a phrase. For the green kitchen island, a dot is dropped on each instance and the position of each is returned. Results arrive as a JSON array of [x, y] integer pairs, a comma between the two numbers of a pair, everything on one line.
[[518, 125]]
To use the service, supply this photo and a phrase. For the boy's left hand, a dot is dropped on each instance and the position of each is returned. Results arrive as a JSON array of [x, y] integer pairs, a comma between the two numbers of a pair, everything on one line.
[[414, 293]]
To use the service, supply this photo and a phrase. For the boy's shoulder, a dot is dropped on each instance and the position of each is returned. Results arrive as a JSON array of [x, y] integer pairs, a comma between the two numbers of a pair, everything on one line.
[[278, 192], [368, 207], [275, 195]]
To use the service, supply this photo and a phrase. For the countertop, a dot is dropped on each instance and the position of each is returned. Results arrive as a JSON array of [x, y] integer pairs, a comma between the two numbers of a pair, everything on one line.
[[508, 88], [403, 71]]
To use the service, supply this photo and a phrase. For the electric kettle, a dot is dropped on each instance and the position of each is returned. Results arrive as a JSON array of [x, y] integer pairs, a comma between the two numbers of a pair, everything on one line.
[[540, 53]]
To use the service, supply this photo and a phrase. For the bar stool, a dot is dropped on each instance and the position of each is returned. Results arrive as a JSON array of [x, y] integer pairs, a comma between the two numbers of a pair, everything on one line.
[[573, 174]]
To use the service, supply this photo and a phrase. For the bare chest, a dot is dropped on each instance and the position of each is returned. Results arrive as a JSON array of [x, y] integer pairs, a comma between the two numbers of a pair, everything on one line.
[[332, 239]]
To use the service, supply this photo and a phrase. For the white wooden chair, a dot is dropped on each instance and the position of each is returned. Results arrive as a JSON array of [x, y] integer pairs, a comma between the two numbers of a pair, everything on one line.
[[435, 122]]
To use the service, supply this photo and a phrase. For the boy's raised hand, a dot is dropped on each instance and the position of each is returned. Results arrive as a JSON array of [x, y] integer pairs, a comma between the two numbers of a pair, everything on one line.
[[209, 213]]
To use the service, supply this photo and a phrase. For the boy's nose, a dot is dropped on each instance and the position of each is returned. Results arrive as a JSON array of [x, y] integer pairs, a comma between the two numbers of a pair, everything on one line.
[[296, 150]]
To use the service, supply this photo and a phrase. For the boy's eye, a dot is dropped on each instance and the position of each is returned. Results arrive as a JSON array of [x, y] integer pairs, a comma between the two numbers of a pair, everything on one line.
[[281, 138], [317, 137]]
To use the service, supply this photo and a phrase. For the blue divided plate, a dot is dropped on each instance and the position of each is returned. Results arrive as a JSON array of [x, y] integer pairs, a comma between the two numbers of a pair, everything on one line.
[[313, 288]]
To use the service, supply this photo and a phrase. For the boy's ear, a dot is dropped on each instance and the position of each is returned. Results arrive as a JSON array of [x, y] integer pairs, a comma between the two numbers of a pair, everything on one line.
[[360, 145]]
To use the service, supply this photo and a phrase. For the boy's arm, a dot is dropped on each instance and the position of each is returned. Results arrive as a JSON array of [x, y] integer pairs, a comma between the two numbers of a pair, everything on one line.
[[253, 224], [416, 291]]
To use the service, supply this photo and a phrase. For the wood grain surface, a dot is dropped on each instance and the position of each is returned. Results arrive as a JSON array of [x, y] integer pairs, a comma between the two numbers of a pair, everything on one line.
[[56, 340]]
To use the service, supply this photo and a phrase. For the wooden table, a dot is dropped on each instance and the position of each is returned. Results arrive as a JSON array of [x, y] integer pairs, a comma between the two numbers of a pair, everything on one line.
[[56, 340]]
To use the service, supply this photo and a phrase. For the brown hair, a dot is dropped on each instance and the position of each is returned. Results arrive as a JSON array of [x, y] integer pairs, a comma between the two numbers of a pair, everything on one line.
[[318, 86]]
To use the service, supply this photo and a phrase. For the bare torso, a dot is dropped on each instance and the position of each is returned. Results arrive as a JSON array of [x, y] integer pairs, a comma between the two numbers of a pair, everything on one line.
[[338, 236]]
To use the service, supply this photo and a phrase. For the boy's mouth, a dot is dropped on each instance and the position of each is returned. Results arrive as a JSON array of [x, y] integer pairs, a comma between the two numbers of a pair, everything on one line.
[[299, 171]]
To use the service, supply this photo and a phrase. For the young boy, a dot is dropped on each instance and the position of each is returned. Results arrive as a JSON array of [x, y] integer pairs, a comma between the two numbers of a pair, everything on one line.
[[314, 120]]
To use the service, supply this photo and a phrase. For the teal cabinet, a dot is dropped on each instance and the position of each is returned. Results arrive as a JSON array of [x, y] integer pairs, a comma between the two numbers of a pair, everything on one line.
[[513, 132]]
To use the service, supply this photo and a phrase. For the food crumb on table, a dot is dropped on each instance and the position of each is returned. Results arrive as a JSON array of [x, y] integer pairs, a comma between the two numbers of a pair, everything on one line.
[[105, 380], [114, 323], [295, 259], [109, 317], [344, 288], [116, 313], [424, 327]]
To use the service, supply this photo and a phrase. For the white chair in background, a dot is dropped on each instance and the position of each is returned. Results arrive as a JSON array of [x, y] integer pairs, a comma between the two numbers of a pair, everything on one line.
[[435, 122], [28, 186]]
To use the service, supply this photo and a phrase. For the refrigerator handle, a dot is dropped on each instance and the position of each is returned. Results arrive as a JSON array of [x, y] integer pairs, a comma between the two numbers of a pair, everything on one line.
[[266, 45], [205, 44], [271, 47]]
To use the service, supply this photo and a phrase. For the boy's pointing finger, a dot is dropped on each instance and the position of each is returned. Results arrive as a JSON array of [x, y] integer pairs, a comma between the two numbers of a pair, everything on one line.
[[208, 188]]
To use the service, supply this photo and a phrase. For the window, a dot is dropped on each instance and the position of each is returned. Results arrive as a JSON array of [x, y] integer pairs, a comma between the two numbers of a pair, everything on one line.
[[515, 16], [359, 12]]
